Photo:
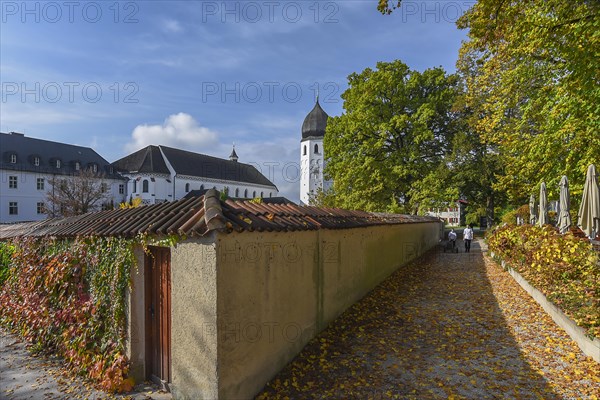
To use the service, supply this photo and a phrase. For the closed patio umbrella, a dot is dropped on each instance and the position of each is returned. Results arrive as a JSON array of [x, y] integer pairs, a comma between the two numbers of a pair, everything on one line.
[[589, 211], [543, 214], [532, 210], [564, 218]]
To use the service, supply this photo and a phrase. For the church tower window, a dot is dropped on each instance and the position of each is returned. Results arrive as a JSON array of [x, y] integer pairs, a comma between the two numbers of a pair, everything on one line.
[[316, 148]]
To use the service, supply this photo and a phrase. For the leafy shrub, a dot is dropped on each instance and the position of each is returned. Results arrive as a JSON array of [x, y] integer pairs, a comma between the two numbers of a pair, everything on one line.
[[69, 297], [6, 253], [510, 217], [564, 267]]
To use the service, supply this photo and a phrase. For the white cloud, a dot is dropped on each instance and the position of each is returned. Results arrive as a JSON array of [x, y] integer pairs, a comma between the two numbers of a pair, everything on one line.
[[171, 26], [179, 130]]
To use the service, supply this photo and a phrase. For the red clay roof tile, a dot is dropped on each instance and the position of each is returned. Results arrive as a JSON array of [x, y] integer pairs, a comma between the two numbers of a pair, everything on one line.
[[197, 216]]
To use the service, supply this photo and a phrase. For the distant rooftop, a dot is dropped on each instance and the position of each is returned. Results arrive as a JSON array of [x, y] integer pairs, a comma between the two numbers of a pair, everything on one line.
[[23, 153], [150, 160]]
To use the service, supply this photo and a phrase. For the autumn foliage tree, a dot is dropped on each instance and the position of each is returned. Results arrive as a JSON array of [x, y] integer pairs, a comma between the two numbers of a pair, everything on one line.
[[531, 70], [76, 194], [386, 152]]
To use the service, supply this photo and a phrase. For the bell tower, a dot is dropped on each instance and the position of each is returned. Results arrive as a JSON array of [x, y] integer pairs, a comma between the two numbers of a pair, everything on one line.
[[311, 153]]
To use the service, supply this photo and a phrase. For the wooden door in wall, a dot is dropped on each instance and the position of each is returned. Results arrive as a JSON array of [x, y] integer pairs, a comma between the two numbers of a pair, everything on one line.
[[157, 276]]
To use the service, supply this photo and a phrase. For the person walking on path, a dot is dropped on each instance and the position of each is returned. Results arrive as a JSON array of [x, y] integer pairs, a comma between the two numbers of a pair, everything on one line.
[[452, 238], [468, 237]]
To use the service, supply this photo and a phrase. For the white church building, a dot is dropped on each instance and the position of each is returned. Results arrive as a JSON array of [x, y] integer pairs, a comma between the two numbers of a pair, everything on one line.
[[159, 173], [312, 157]]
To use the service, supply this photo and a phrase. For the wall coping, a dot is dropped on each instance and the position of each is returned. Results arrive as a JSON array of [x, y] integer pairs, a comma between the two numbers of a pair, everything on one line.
[[590, 347]]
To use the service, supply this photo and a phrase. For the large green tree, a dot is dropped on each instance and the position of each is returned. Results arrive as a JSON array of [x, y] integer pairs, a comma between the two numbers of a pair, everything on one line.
[[387, 151], [532, 72]]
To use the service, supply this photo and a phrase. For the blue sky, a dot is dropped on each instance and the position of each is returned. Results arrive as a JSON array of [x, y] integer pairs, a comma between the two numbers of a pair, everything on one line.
[[200, 75]]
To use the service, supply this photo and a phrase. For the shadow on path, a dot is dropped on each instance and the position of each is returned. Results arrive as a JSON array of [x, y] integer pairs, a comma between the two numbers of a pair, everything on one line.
[[432, 330]]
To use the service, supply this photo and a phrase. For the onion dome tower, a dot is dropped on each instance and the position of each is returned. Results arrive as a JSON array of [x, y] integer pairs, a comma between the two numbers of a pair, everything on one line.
[[311, 153]]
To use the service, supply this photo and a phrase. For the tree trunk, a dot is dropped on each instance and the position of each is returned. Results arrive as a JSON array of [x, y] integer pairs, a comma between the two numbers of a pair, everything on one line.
[[489, 211]]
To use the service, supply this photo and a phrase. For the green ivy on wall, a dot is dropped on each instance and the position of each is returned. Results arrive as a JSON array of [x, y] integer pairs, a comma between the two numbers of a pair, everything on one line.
[[69, 296]]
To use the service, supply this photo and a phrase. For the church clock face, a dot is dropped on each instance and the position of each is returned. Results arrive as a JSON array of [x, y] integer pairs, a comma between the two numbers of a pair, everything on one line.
[[315, 169]]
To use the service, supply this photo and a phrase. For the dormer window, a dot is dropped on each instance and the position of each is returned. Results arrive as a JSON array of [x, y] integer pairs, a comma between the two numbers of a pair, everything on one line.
[[13, 158], [36, 161], [77, 166], [94, 168], [57, 163]]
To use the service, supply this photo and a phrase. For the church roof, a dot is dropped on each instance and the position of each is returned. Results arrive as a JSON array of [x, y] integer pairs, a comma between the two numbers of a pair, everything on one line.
[[146, 160], [315, 123], [150, 160]]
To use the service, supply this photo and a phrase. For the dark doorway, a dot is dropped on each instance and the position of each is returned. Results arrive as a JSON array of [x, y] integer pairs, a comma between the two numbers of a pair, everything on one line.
[[157, 276]]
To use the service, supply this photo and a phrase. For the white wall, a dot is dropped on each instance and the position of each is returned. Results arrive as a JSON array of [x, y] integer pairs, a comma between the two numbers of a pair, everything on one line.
[[161, 190], [309, 182], [26, 195]]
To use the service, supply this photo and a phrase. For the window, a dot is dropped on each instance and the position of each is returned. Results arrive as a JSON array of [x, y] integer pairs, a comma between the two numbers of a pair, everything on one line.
[[77, 166], [40, 183], [57, 163], [187, 187], [36, 161], [145, 186], [104, 187], [201, 187], [304, 151], [226, 190], [13, 208], [40, 208], [316, 148], [245, 193], [254, 194], [270, 194], [121, 189], [237, 192], [12, 182], [94, 168], [13, 158], [134, 186], [261, 194]]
